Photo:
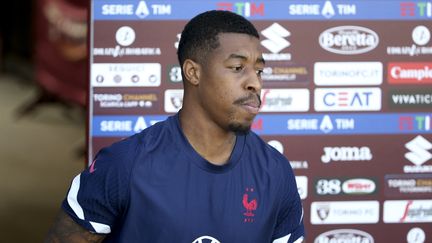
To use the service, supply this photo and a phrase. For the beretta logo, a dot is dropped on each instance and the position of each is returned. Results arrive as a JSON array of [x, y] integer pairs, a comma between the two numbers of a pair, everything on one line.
[[344, 235], [348, 40]]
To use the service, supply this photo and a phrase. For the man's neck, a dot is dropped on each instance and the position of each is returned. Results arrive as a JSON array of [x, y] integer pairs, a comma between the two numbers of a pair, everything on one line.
[[209, 140]]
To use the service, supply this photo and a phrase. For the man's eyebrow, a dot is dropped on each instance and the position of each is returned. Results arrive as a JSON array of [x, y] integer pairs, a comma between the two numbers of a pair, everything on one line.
[[239, 56]]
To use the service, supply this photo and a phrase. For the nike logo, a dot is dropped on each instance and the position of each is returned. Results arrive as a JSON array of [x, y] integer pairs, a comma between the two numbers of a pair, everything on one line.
[[92, 168]]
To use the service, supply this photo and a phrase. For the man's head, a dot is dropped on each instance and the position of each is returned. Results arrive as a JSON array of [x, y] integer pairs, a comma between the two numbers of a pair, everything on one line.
[[221, 63], [200, 35]]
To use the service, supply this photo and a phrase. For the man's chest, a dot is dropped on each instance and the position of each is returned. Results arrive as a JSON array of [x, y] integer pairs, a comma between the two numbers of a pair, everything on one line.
[[233, 207]]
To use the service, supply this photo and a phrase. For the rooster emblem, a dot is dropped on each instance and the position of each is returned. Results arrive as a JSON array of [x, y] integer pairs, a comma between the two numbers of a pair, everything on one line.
[[249, 205]]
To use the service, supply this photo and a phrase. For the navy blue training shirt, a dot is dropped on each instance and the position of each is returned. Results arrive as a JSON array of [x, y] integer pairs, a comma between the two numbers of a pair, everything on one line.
[[154, 187]]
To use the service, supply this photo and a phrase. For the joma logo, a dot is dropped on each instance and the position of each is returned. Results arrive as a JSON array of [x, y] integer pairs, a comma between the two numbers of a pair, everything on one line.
[[346, 154]]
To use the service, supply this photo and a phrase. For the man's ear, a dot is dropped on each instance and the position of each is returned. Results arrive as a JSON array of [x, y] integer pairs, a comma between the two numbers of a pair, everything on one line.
[[191, 71]]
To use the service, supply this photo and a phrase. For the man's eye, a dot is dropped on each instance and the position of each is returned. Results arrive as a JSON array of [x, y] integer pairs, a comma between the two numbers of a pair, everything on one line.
[[259, 72], [237, 68]]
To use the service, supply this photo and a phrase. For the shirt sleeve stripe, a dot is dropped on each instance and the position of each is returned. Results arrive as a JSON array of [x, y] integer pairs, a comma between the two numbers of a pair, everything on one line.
[[72, 197], [101, 228], [286, 238], [299, 240], [282, 239], [301, 218]]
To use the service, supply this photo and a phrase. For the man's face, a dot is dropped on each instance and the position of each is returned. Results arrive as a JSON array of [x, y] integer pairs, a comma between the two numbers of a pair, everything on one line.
[[230, 84]]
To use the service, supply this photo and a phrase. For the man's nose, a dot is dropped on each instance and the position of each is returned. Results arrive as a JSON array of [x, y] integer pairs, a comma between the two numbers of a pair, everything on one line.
[[254, 82]]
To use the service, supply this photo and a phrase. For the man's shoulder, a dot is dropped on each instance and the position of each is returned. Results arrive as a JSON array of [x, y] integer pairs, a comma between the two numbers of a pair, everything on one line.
[[128, 148], [262, 146], [271, 156]]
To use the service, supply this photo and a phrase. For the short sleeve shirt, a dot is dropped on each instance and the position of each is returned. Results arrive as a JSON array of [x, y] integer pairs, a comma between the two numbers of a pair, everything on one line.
[[154, 187]]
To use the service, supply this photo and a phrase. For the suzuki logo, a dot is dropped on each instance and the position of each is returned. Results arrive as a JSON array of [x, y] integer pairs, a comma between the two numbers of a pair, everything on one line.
[[275, 35], [419, 147], [206, 238], [142, 10]]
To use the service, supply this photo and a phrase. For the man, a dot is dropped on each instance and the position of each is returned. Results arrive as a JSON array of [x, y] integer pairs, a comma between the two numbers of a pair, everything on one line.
[[201, 175]]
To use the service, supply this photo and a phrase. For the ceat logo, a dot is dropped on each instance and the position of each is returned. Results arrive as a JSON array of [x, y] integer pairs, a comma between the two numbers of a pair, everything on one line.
[[205, 239], [347, 99], [246, 9]]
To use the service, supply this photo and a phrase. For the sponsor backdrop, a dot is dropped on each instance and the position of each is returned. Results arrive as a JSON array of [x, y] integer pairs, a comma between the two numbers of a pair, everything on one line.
[[347, 98]]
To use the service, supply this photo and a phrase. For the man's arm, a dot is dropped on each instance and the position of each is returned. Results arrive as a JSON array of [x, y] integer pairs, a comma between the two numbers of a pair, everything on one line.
[[65, 229]]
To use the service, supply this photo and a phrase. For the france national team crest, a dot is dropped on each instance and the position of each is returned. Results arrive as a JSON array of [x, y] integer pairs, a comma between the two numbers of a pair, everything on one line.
[[250, 204]]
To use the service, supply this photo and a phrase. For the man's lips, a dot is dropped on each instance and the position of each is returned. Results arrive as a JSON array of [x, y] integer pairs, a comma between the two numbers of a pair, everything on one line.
[[252, 105], [253, 100]]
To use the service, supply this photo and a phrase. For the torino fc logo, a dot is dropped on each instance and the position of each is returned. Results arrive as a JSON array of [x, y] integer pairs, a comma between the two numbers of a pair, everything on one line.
[[206, 239]]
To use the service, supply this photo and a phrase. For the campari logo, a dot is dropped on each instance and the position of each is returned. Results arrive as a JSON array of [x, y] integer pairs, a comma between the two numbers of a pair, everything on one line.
[[410, 73]]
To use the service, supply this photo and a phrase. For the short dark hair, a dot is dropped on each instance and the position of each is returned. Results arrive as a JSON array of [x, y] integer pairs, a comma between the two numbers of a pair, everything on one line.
[[199, 37]]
